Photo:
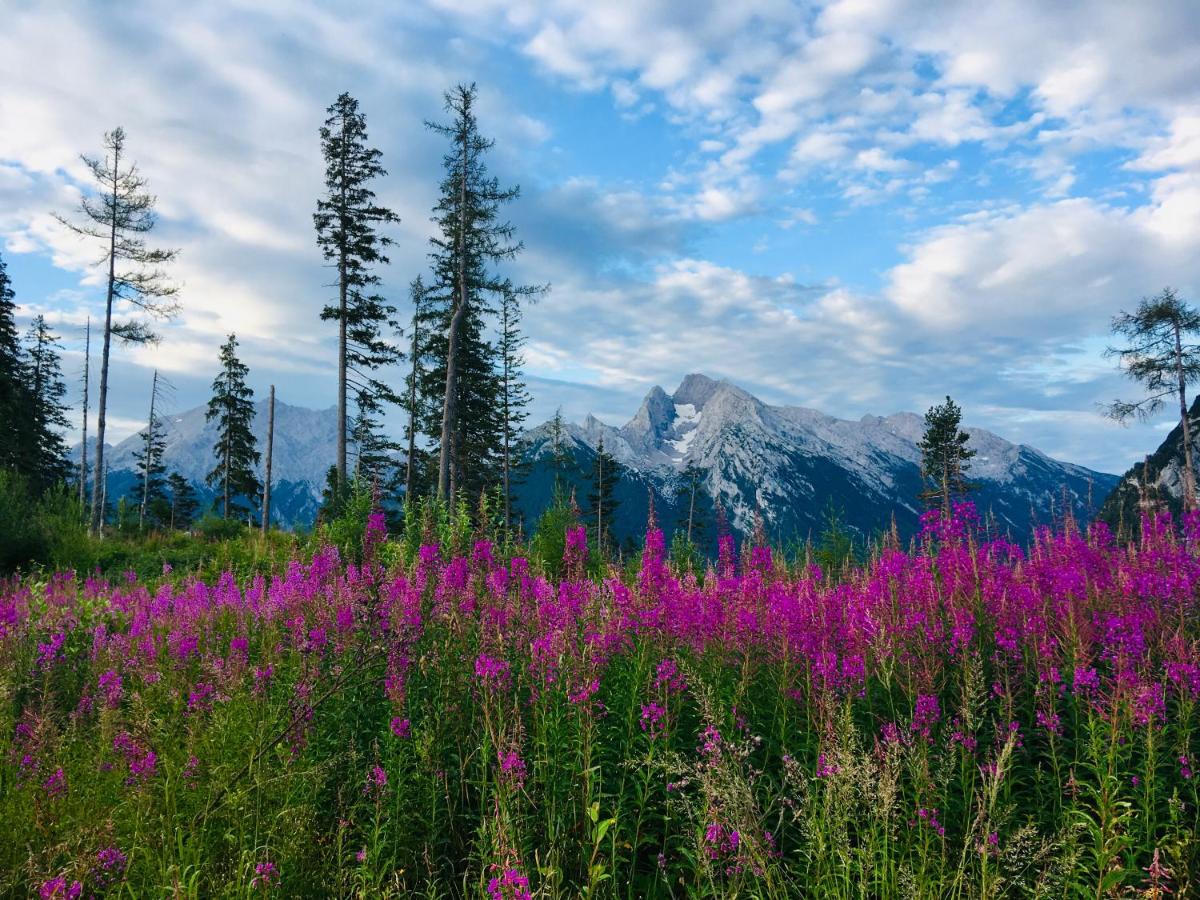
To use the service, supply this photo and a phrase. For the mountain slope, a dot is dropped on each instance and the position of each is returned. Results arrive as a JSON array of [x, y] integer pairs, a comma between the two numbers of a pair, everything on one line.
[[305, 446], [1158, 479], [792, 464]]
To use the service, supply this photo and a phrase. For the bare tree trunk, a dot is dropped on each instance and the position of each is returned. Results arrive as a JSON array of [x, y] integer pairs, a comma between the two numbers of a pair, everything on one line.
[[104, 488], [341, 404], [87, 358], [507, 376], [148, 461], [448, 460], [228, 448], [946, 488], [98, 491], [600, 501], [412, 418], [691, 511], [1189, 473], [266, 511]]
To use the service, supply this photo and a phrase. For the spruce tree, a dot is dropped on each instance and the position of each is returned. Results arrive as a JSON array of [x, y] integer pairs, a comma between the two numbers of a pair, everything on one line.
[[148, 491], [12, 387], [470, 240], [118, 217], [416, 398], [601, 498], [44, 459], [184, 505], [346, 221], [514, 396], [375, 452], [232, 405], [945, 456]]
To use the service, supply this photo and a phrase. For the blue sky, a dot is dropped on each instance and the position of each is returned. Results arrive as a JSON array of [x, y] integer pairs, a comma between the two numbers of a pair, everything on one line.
[[858, 206]]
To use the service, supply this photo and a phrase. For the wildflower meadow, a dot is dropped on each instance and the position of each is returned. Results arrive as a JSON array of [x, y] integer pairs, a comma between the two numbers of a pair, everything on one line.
[[439, 714]]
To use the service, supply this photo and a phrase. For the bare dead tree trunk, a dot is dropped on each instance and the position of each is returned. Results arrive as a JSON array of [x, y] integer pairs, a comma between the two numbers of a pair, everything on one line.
[[507, 426], [412, 418], [97, 491], [691, 511], [148, 461], [448, 460], [266, 512], [1189, 472], [341, 405], [87, 358]]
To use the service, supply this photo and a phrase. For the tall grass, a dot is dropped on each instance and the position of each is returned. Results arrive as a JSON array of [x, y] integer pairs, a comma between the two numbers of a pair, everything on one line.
[[961, 719]]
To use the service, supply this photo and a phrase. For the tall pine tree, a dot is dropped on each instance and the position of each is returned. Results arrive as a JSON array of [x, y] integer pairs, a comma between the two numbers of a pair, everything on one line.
[[232, 405], [12, 389], [118, 216], [44, 454], [346, 220], [469, 241]]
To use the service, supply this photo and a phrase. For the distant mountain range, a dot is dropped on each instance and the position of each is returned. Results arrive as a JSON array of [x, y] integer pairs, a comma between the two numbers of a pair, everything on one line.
[[305, 447], [787, 463], [792, 465]]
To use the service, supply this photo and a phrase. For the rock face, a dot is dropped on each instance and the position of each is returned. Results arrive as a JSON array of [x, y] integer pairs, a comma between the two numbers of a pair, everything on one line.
[[791, 465], [1158, 481]]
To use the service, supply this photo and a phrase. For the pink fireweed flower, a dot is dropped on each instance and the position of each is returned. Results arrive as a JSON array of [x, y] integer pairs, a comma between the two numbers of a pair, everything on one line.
[[710, 744], [512, 768], [58, 887], [652, 720], [511, 885], [926, 714], [575, 552], [1185, 769], [376, 781], [49, 652], [266, 874], [262, 679], [1086, 682], [1150, 705], [109, 867], [401, 728], [56, 784], [1050, 721], [200, 698], [491, 671], [721, 841], [141, 760], [668, 676], [584, 693], [824, 769], [110, 688]]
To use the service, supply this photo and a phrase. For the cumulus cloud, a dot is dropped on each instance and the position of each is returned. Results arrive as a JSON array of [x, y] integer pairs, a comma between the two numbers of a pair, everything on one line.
[[766, 114]]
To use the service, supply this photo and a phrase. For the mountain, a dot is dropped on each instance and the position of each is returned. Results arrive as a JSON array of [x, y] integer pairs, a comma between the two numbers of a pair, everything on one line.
[[1158, 479], [792, 465], [305, 447]]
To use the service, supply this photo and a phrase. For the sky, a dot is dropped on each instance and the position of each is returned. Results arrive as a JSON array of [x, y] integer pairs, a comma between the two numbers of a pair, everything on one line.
[[860, 206]]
